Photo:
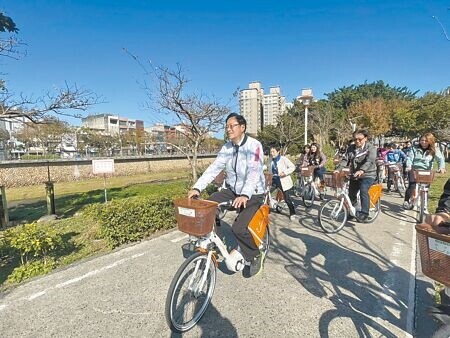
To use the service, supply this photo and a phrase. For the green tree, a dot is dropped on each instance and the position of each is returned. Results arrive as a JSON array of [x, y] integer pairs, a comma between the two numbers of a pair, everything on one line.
[[432, 113]]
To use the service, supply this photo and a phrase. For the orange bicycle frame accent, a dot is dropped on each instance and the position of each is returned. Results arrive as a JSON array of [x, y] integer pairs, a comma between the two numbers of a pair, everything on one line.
[[375, 192]]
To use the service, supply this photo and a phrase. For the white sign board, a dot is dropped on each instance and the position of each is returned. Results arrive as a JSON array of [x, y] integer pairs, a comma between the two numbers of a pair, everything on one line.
[[103, 166], [438, 245]]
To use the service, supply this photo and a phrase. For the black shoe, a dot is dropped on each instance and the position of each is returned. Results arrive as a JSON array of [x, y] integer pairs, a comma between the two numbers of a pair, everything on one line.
[[257, 264], [362, 217]]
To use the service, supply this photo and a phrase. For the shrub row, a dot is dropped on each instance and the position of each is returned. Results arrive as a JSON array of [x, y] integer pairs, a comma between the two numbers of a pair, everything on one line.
[[131, 219]]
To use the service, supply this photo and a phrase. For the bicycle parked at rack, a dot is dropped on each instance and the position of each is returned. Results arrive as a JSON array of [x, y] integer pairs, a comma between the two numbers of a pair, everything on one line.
[[334, 213], [419, 198], [395, 177], [312, 188], [193, 285]]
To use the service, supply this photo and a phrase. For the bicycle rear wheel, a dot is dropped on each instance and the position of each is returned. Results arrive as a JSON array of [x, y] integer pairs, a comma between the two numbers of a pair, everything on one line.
[[264, 246], [187, 300], [308, 195], [333, 216]]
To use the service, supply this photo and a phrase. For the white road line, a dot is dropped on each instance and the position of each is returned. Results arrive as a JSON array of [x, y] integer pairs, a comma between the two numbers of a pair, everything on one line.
[[36, 295], [179, 238], [76, 279], [412, 288]]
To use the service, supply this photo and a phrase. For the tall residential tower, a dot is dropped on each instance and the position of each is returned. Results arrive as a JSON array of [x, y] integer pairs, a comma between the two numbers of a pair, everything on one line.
[[261, 109]]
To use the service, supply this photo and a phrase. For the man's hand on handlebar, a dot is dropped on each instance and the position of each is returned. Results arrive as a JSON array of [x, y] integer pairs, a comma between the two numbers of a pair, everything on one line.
[[358, 174], [240, 201]]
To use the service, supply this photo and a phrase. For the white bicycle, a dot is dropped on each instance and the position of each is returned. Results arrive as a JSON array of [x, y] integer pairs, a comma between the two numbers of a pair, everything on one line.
[[334, 213], [193, 285]]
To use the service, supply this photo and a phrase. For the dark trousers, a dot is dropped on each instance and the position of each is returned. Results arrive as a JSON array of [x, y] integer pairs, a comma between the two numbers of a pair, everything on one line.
[[240, 225], [287, 198], [411, 186], [318, 172], [362, 185]]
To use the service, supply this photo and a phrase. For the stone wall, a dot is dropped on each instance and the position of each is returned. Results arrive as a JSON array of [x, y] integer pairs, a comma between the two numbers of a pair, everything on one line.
[[33, 175]]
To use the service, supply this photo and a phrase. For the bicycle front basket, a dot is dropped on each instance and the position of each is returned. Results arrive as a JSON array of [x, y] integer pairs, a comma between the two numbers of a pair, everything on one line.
[[434, 253], [195, 217], [332, 180], [423, 176], [307, 171]]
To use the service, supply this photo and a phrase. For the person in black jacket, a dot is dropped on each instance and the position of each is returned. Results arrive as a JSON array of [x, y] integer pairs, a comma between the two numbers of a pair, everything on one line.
[[361, 158]]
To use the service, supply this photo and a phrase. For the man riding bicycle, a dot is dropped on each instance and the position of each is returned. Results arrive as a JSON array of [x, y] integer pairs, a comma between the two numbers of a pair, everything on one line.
[[242, 159], [361, 158], [393, 156]]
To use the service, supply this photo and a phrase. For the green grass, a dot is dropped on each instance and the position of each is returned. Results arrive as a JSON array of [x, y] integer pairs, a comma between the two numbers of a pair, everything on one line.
[[437, 187], [68, 205], [68, 188]]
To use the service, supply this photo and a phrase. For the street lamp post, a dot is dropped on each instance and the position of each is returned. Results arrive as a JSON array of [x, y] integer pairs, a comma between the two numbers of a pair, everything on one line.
[[306, 98]]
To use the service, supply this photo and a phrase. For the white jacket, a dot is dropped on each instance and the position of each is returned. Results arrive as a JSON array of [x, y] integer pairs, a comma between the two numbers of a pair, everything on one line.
[[243, 164], [284, 165]]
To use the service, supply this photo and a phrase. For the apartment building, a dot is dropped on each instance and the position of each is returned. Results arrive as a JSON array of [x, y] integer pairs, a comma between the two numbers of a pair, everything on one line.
[[111, 124], [251, 106], [261, 109], [274, 104]]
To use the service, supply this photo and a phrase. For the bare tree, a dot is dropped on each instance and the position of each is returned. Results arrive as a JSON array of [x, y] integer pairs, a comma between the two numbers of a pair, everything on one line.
[[64, 102], [198, 114]]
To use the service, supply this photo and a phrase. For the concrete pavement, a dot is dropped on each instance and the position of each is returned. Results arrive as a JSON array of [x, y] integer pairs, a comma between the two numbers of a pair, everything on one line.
[[357, 283]]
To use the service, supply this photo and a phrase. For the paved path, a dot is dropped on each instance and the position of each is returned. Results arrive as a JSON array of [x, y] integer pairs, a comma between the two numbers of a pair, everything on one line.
[[357, 283]]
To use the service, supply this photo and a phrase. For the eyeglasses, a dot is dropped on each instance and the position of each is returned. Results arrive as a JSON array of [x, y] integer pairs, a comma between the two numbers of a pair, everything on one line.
[[231, 126], [359, 139]]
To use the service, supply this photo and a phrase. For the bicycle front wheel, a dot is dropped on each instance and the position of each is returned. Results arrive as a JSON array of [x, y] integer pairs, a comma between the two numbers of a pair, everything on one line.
[[401, 188], [373, 212], [189, 293], [308, 195], [298, 190], [422, 202], [333, 216]]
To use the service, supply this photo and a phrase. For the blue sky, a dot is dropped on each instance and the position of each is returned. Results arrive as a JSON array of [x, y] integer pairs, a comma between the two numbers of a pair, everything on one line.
[[223, 45]]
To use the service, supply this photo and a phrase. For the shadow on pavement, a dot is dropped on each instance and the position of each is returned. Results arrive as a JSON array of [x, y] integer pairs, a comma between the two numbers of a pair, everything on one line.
[[361, 290], [213, 324]]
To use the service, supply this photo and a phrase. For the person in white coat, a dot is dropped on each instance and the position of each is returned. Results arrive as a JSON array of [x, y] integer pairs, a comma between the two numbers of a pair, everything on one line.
[[282, 168]]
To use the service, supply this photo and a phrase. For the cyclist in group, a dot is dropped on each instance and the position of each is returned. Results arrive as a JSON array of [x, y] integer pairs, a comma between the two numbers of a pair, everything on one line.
[[282, 168], [421, 157], [393, 156], [361, 158], [407, 148], [242, 158], [317, 159], [303, 159]]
